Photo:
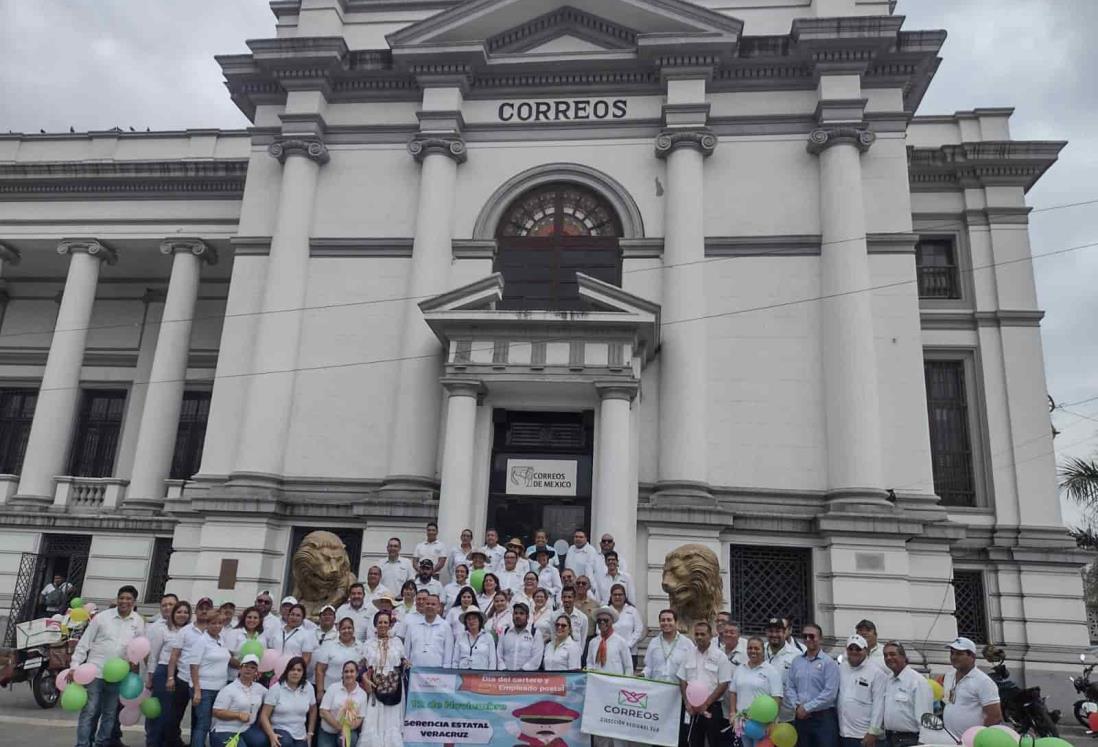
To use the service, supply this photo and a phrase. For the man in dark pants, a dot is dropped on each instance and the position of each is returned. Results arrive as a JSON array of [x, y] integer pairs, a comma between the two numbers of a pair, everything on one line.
[[712, 669], [812, 690]]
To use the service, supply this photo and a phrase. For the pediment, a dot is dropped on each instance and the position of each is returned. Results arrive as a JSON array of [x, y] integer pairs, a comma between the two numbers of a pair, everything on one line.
[[481, 30]]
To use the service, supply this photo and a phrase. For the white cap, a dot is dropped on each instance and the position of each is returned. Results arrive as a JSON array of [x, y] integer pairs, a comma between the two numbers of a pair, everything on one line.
[[857, 640], [288, 600], [250, 659], [963, 644]]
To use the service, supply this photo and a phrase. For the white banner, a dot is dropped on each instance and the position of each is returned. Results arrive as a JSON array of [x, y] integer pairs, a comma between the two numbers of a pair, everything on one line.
[[541, 477], [637, 710]]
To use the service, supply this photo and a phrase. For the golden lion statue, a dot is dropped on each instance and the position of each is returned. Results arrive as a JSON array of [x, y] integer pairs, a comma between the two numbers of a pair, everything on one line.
[[692, 580], [321, 571]]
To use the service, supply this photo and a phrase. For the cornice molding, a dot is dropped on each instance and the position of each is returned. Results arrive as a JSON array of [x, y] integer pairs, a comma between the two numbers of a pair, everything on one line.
[[91, 247], [312, 148], [197, 247], [969, 319], [822, 138], [1018, 163], [700, 139], [121, 180], [449, 145], [563, 20]]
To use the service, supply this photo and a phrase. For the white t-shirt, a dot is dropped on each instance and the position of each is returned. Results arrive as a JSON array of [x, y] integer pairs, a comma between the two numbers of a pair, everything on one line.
[[708, 667], [293, 641], [965, 708], [211, 656], [750, 683], [334, 655], [335, 697], [433, 550], [291, 708], [235, 697], [363, 617]]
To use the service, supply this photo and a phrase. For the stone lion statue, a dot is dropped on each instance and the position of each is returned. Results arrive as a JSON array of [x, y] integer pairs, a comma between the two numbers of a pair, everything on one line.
[[692, 580], [321, 571]]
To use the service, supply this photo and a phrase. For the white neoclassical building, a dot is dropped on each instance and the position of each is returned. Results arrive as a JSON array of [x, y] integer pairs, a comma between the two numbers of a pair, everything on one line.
[[678, 271]]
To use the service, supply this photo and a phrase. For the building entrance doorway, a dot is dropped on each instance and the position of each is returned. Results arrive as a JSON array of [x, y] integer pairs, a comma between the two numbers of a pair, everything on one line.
[[541, 474]]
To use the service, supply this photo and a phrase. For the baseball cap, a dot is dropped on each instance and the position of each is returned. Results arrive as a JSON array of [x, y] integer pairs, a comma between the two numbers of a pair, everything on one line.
[[856, 640], [962, 644], [775, 622], [204, 602], [426, 561], [250, 659], [326, 607], [865, 625], [288, 600]]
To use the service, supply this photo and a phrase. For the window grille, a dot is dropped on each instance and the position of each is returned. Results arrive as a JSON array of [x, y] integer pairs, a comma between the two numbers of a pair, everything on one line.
[[950, 440], [970, 605], [936, 265], [158, 569], [770, 582], [97, 432], [189, 437], [16, 414]]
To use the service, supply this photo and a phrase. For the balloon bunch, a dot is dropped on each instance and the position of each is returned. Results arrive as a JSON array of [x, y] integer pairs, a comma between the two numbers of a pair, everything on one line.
[[760, 724], [1002, 735], [79, 612], [476, 579], [936, 689], [136, 700]]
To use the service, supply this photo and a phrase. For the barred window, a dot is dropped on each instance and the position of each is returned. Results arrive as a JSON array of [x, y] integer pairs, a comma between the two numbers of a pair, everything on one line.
[[97, 432], [770, 582], [970, 605], [190, 435], [936, 265], [158, 569], [950, 439], [16, 414]]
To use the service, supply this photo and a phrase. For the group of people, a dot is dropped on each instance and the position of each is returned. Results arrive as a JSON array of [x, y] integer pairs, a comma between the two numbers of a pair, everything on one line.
[[344, 673]]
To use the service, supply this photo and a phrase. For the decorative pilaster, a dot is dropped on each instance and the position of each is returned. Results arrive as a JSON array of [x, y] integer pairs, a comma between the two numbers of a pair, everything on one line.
[[449, 145], [614, 507], [312, 148], [59, 393], [822, 138], [455, 500], [167, 379], [700, 139]]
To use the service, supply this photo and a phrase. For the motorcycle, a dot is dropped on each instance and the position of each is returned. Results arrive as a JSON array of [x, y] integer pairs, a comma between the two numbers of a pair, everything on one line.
[[1089, 690], [1024, 709], [32, 665]]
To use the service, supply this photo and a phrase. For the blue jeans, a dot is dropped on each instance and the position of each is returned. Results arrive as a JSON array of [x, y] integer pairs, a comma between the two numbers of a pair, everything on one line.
[[821, 729], [203, 718], [324, 739], [156, 728], [102, 706], [287, 741], [252, 737]]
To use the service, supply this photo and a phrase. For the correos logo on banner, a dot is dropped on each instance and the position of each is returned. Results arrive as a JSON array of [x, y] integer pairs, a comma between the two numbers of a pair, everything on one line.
[[541, 476]]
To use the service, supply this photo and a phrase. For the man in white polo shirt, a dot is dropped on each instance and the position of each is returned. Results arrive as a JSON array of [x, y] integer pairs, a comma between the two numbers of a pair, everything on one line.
[[711, 668], [861, 696], [432, 549], [971, 697]]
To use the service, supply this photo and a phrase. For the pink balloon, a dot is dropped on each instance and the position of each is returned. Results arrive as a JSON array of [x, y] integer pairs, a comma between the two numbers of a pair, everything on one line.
[[968, 739], [85, 674], [696, 693], [129, 716], [269, 660], [137, 649], [280, 667], [1013, 734], [62, 680]]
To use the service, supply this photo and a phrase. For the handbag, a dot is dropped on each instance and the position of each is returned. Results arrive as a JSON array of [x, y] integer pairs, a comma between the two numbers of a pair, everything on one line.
[[389, 686]]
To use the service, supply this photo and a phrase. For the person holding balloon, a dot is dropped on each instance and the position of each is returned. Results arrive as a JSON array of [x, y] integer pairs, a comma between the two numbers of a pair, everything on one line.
[[908, 696], [162, 640], [341, 710], [249, 628], [208, 663], [703, 677], [236, 708], [104, 641], [757, 679]]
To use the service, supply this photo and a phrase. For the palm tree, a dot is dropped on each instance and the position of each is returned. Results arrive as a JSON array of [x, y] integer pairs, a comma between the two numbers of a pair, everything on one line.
[[1079, 482]]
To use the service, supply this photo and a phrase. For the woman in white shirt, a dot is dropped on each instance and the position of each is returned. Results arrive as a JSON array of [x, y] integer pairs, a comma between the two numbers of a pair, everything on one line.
[[208, 661], [629, 625], [466, 600], [293, 638], [529, 586], [453, 589], [488, 590], [562, 653], [459, 555], [162, 640], [384, 723], [475, 648], [756, 677], [407, 600], [499, 615], [344, 704], [236, 707], [288, 717], [331, 657], [249, 628], [541, 614]]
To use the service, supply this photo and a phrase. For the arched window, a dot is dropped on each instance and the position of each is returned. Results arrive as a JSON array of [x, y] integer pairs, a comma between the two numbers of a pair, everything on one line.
[[546, 236]]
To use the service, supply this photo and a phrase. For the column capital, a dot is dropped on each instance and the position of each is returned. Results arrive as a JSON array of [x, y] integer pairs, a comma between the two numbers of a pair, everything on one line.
[[456, 386], [451, 145], [625, 390], [312, 148], [91, 247], [823, 138], [197, 247], [10, 255], [700, 139]]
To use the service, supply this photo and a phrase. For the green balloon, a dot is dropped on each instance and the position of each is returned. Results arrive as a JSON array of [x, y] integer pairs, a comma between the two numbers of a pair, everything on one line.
[[1027, 740], [73, 697], [131, 686], [116, 669], [253, 647], [76, 602], [763, 709], [476, 580], [993, 738], [1042, 742], [150, 708]]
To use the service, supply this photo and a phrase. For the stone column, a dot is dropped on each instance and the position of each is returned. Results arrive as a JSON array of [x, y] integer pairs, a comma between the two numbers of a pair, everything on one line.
[[684, 443], [51, 429], [455, 501], [846, 318], [413, 453], [614, 508], [266, 422], [164, 395]]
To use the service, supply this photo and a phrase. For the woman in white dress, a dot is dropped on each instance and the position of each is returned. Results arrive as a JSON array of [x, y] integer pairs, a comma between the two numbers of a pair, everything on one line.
[[499, 615], [541, 614], [629, 625], [488, 591], [331, 657], [562, 653], [384, 722], [466, 600], [451, 591], [474, 648]]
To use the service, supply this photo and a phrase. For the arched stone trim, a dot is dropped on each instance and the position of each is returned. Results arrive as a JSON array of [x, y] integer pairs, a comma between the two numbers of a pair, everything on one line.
[[632, 225]]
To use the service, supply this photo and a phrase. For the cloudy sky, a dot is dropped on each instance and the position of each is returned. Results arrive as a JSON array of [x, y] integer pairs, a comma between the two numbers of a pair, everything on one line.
[[96, 64]]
